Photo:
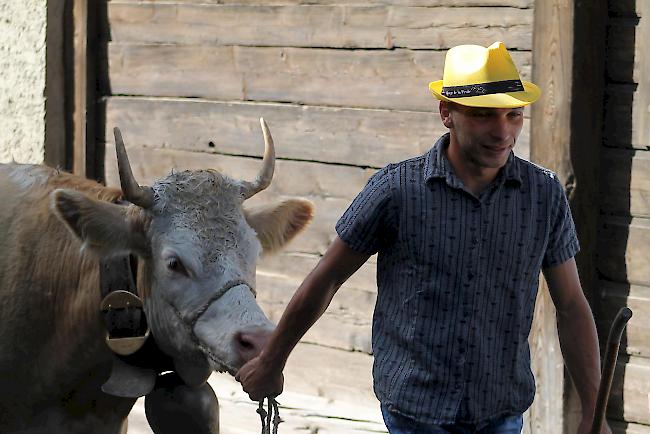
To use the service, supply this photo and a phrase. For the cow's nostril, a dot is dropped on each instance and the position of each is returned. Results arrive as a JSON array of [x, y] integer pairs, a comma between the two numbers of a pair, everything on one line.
[[245, 344], [250, 343]]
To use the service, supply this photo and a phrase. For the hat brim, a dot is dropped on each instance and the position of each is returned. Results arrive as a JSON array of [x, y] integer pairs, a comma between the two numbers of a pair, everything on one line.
[[529, 95]]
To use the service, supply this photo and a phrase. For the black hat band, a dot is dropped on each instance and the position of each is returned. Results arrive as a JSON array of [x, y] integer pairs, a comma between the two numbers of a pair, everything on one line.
[[483, 89]]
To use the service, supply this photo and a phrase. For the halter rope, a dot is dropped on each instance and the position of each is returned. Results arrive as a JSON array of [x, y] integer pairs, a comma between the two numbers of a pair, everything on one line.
[[190, 322], [265, 416]]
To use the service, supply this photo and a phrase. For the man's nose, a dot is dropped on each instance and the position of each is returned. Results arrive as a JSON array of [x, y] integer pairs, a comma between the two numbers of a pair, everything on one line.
[[501, 129]]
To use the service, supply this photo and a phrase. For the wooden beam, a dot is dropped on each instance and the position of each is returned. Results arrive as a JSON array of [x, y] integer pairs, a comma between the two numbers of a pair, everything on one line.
[[384, 79], [549, 147], [523, 4], [56, 152], [367, 138], [317, 25], [80, 40], [569, 44], [83, 92]]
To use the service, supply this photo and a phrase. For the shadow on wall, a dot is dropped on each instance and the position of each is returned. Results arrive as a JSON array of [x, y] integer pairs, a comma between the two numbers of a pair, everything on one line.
[[619, 240]]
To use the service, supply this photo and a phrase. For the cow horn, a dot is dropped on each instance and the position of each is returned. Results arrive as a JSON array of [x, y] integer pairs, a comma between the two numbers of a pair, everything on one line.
[[133, 192], [265, 174]]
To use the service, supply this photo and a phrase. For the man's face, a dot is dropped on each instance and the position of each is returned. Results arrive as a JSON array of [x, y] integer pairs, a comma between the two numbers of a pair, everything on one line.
[[484, 136]]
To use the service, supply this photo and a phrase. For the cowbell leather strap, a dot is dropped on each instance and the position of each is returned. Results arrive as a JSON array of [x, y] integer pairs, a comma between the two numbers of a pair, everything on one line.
[[122, 309]]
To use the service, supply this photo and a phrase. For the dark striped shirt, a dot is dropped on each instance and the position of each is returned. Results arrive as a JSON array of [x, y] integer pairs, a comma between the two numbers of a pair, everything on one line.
[[457, 278]]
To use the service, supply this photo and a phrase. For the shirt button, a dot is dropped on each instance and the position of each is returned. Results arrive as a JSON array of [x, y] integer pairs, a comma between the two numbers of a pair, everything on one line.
[[475, 240]]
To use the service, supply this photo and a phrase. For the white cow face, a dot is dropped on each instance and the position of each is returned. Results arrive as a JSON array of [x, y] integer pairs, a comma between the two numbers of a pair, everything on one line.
[[198, 250]]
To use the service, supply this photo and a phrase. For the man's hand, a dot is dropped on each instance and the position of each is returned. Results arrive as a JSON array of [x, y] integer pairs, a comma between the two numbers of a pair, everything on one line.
[[259, 379]]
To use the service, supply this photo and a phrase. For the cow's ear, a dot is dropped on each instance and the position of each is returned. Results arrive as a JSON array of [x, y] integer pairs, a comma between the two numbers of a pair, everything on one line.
[[103, 227], [277, 224]]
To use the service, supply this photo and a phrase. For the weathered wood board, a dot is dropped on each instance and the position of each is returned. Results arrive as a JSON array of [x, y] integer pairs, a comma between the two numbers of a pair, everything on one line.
[[392, 79], [334, 26], [345, 325], [626, 111], [292, 268], [627, 116], [614, 296], [630, 396], [623, 56], [291, 178], [524, 4], [622, 250], [361, 137], [625, 191]]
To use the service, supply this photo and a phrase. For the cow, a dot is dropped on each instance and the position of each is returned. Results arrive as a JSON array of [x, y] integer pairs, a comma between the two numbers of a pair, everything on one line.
[[196, 249]]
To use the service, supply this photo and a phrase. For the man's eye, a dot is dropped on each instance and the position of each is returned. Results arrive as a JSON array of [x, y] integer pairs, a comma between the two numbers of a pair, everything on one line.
[[175, 265]]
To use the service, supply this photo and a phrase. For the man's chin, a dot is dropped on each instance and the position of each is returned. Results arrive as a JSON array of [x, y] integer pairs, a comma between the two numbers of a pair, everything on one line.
[[498, 160]]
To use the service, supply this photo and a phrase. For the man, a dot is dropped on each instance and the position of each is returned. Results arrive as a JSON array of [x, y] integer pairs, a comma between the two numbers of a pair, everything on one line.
[[462, 233]]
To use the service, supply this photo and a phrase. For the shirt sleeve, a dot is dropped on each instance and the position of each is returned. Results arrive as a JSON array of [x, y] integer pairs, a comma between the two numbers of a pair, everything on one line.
[[368, 222], [563, 241]]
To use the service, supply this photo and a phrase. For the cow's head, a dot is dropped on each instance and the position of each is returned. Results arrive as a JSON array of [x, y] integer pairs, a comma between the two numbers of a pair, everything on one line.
[[198, 248]]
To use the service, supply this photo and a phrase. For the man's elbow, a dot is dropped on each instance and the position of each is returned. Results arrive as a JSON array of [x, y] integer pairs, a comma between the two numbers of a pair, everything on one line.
[[575, 308]]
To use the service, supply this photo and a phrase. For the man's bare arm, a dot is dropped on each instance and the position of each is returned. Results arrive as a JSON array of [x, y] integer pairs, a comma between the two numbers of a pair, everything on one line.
[[262, 376], [578, 336]]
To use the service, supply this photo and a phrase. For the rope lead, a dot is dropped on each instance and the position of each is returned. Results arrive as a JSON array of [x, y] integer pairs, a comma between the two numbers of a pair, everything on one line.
[[272, 416]]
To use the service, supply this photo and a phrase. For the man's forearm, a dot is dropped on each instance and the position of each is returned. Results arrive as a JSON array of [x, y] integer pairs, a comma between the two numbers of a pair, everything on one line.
[[579, 343]]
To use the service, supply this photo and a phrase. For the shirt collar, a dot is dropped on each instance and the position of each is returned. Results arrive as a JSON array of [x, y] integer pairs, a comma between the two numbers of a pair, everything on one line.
[[437, 166]]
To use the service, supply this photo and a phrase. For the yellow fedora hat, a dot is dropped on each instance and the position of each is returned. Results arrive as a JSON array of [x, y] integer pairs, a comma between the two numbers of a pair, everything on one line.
[[476, 76]]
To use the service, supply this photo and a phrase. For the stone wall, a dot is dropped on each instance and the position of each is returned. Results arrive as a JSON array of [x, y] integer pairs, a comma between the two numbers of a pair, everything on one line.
[[22, 87]]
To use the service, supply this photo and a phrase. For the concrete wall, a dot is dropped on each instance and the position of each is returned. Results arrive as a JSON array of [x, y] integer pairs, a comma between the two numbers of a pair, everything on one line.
[[22, 83]]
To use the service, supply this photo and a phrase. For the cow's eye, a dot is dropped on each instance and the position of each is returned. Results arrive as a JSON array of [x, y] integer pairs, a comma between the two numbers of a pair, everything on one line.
[[175, 265]]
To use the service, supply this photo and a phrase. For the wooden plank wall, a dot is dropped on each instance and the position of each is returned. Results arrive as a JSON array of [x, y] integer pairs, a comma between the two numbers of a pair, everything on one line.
[[343, 85], [624, 229]]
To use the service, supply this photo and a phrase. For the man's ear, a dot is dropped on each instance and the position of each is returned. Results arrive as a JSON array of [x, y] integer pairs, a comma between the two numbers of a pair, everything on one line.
[[445, 114], [277, 224], [104, 228]]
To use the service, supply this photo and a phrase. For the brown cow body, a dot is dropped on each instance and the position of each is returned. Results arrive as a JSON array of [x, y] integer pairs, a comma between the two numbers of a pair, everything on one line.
[[53, 359], [191, 240]]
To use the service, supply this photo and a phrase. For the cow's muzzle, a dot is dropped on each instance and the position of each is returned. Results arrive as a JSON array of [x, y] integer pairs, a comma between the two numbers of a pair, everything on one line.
[[190, 322]]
